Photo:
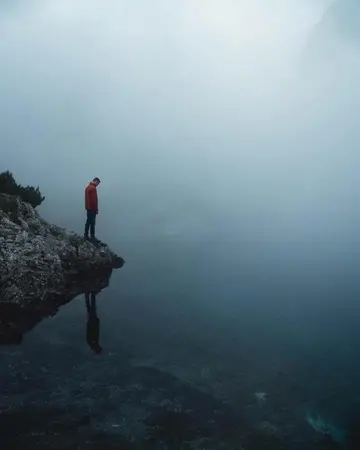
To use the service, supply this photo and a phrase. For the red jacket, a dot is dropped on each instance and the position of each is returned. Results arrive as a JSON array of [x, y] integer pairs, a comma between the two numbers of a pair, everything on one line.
[[91, 198]]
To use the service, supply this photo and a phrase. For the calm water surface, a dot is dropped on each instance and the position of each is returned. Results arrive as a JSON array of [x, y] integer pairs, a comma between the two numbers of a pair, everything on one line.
[[206, 344]]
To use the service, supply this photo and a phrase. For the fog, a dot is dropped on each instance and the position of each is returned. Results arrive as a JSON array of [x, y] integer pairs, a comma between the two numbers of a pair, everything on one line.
[[225, 133], [202, 118]]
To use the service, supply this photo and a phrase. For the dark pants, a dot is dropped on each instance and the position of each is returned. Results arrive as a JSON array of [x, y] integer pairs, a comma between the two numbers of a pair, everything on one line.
[[90, 223]]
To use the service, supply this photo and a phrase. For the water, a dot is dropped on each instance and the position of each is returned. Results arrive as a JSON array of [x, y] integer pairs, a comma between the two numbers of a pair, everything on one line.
[[207, 343]]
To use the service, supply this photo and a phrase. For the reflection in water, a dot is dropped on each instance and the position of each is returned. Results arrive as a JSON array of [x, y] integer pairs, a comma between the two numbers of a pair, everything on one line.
[[178, 378], [10, 332], [93, 323], [16, 320]]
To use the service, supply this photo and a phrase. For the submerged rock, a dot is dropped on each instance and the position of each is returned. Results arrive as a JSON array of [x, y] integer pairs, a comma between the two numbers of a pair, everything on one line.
[[260, 397], [326, 428], [39, 261]]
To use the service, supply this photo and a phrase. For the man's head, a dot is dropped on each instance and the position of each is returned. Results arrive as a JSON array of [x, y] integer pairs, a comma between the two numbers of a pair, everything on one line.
[[96, 181]]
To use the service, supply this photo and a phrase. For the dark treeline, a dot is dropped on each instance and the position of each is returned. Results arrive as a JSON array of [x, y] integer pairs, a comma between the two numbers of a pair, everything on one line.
[[28, 194]]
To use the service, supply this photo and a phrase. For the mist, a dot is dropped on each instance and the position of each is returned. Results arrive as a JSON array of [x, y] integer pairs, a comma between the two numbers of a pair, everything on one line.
[[225, 134], [199, 117]]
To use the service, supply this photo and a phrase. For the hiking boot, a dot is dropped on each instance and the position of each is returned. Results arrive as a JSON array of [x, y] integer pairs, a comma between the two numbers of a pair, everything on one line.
[[86, 237], [95, 240]]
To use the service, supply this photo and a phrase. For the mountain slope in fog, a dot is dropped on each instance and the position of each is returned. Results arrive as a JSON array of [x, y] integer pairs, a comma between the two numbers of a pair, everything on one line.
[[337, 33]]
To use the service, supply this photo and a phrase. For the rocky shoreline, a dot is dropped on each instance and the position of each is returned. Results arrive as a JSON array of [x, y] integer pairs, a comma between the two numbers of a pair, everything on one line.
[[40, 261]]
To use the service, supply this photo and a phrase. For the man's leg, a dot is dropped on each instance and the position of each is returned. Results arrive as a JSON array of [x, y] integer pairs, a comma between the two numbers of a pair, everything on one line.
[[87, 224], [92, 224]]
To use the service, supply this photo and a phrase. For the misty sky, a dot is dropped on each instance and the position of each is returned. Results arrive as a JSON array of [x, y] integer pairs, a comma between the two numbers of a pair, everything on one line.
[[214, 110]]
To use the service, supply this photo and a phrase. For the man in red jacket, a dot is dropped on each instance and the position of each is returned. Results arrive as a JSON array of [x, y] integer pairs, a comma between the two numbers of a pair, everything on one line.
[[91, 206]]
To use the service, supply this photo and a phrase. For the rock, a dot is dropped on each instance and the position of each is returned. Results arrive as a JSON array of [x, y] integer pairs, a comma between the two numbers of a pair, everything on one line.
[[326, 428], [260, 397], [39, 260]]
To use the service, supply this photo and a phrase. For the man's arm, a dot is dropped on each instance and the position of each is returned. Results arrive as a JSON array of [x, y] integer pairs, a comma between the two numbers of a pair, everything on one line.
[[94, 200]]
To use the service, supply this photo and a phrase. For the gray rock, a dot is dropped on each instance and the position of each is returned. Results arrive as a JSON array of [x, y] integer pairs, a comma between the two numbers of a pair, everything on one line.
[[39, 260]]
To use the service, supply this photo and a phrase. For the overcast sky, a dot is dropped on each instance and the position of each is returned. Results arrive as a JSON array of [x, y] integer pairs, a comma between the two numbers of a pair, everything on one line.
[[215, 108]]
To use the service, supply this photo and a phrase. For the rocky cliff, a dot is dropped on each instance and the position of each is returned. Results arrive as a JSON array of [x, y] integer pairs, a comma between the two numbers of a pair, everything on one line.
[[40, 261]]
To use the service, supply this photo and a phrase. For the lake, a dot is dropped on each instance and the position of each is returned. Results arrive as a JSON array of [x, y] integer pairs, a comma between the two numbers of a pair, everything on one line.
[[209, 341]]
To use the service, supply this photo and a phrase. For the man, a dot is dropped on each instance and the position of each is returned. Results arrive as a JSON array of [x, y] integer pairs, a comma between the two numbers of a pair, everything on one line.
[[91, 206]]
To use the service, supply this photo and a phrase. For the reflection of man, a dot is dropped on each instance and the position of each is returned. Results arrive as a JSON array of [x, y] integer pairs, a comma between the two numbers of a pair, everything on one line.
[[93, 323]]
